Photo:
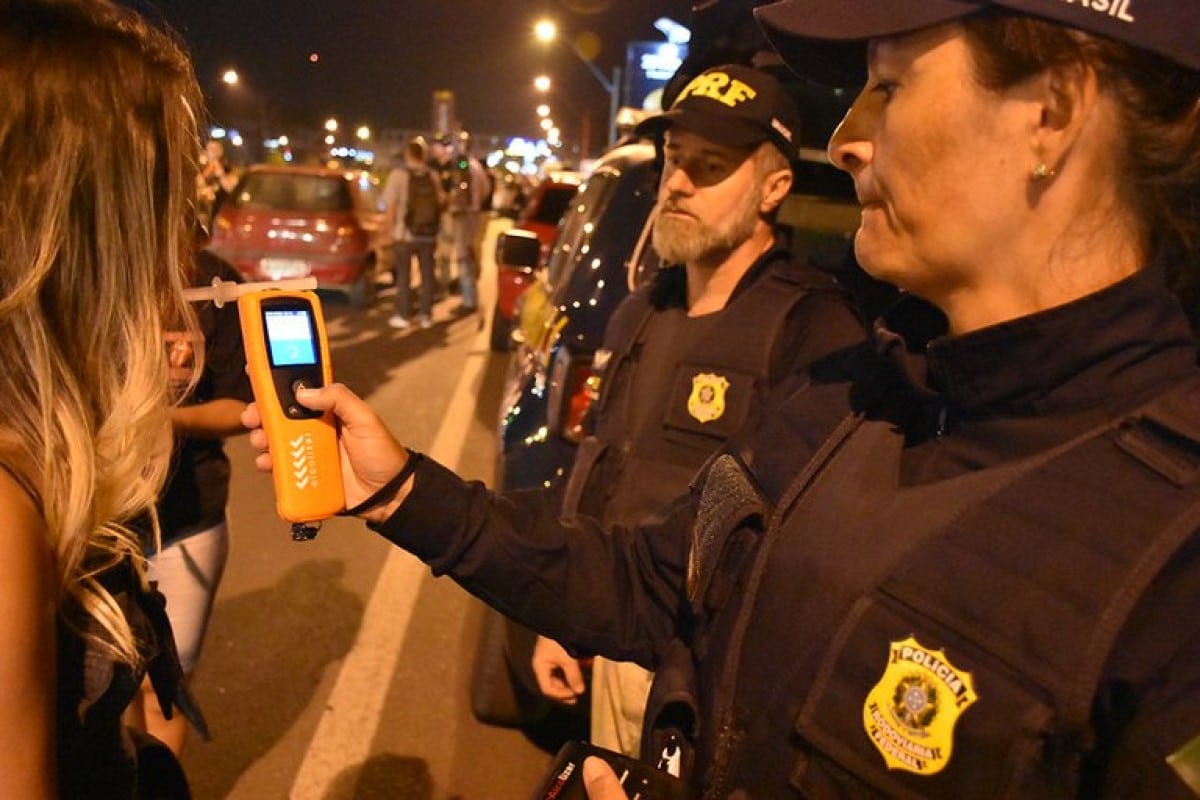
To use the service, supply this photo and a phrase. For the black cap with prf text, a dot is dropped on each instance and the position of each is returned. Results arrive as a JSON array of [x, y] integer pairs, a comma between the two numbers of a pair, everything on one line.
[[823, 39], [733, 106]]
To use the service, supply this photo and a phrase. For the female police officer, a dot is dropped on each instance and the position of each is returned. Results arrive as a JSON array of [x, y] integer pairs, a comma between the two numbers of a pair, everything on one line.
[[964, 562]]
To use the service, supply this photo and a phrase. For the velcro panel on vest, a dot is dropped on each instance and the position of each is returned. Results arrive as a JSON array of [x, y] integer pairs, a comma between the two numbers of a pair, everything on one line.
[[728, 501], [1027, 592]]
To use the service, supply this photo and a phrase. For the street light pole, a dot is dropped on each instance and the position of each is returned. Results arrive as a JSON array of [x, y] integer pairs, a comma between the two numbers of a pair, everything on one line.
[[546, 31]]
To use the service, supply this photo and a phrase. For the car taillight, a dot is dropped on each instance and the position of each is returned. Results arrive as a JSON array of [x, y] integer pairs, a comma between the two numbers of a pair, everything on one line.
[[574, 388], [584, 390]]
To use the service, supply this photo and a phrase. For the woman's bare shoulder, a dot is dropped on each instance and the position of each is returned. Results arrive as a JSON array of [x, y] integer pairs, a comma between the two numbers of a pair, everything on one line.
[[20, 512], [16, 501]]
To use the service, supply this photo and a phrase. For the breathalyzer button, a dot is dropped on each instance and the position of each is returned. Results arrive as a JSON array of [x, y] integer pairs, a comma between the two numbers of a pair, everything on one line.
[[297, 385]]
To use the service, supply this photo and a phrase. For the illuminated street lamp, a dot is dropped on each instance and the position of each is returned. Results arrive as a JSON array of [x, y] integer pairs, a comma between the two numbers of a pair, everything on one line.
[[240, 105], [542, 83], [546, 31], [363, 133], [331, 125]]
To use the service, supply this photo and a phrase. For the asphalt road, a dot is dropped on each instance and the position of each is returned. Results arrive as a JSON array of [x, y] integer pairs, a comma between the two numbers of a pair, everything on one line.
[[339, 668]]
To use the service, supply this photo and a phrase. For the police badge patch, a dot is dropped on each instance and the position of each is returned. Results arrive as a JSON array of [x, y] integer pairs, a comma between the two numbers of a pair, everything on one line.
[[707, 400], [911, 713]]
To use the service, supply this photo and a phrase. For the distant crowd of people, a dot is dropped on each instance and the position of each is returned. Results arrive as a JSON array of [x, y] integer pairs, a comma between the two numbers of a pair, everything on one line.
[[436, 202]]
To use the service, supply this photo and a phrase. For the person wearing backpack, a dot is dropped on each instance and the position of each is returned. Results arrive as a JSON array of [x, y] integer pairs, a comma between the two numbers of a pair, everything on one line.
[[413, 200]]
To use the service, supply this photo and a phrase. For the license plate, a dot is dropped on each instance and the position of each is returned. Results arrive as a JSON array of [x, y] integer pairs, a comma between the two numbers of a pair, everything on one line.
[[280, 268]]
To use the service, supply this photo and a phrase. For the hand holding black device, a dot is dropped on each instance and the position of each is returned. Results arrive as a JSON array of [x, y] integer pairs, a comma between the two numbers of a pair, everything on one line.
[[640, 781]]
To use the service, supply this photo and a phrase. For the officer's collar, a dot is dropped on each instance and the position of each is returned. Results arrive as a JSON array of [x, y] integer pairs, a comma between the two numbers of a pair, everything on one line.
[[1131, 333]]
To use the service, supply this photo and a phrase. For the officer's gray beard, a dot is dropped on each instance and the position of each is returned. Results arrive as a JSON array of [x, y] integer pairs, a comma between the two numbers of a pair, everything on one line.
[[685, 240]]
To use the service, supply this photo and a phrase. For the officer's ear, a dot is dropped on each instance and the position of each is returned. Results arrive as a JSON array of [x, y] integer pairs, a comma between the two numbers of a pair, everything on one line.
[[775, 186]]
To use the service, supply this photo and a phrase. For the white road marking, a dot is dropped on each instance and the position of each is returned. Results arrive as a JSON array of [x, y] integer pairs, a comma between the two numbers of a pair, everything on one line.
[[347, 727]]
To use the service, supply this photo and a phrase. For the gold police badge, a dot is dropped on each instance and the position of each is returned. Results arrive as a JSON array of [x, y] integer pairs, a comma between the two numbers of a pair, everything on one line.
[[911, 713], [707, 400]]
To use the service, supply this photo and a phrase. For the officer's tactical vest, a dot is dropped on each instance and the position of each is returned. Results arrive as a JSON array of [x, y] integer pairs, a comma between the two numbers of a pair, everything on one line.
[[735, 356], [969, 669]]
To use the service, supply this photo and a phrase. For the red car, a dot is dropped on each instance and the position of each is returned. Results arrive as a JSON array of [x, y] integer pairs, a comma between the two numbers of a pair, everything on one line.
[[539, 216], [292, 222]]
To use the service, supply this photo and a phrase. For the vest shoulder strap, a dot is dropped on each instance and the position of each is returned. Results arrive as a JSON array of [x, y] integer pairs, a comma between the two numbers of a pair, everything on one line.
[[753, 319]]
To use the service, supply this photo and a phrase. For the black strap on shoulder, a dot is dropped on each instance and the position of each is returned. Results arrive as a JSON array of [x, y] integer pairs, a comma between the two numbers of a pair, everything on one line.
[[623, 331]]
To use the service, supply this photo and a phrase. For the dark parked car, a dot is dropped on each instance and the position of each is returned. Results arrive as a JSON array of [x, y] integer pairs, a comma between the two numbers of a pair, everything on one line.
[[293, 222], [586, 277], [540, 217], [548, 392]]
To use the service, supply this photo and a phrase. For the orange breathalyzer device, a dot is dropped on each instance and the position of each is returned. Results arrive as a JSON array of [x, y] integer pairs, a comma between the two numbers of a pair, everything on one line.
[[286, 349]]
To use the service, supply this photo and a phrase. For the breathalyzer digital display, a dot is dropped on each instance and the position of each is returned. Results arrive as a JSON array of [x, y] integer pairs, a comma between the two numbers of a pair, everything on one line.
[[291, 340], [286, 350]]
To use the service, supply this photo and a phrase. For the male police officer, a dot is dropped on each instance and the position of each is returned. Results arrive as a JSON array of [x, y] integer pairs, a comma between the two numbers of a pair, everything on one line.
[[694, 353]]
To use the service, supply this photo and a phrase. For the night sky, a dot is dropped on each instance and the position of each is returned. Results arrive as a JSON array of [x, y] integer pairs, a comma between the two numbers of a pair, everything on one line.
[[381, 60]]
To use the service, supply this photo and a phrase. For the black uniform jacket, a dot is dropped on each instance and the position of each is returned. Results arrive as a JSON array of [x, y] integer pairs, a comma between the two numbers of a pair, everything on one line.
[[773, 642]]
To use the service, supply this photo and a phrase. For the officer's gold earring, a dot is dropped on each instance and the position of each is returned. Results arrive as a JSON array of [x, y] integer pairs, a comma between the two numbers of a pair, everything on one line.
[[1041, 172]]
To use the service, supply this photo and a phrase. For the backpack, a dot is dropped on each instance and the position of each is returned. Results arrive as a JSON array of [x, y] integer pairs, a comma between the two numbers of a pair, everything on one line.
[[423, 210]]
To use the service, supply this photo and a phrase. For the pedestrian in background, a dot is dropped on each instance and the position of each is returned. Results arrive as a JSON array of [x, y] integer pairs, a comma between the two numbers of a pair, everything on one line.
[[98, 149], [441, 161], [214, 183], [412, 197], [469, 186]]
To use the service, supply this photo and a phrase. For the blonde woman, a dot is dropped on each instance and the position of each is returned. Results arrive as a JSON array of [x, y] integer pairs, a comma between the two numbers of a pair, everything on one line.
[[98, 146]]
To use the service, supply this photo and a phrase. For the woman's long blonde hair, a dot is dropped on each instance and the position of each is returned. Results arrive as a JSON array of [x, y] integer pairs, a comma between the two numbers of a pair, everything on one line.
[[98, 150]]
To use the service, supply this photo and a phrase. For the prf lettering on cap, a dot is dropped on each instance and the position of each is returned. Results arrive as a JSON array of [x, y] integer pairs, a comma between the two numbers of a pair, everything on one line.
[[719, 87], [1113, 8]]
